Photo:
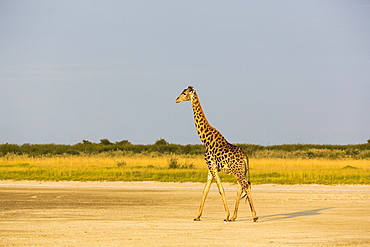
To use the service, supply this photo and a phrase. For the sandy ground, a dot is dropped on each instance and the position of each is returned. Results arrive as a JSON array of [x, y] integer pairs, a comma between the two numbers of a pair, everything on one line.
[[161, 214]]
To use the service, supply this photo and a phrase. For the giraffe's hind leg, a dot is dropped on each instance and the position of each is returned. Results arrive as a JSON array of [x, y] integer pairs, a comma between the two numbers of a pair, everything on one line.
[[249, 197], [222, 192], [247, 190], [238, 196]]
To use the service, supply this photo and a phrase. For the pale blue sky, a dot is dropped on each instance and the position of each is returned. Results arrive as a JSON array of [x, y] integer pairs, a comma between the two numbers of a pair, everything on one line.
[[267, 72]]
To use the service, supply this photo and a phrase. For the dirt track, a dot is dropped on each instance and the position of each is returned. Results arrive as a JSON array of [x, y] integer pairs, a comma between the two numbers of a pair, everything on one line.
[[161, 214]]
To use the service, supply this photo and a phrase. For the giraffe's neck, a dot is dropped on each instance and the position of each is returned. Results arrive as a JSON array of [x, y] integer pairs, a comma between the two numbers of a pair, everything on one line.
[[207, 134]]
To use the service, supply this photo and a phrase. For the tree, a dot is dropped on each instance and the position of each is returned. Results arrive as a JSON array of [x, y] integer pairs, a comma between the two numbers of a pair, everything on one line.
[[86, 142], [161, 141], [105, 142], [123, 142]]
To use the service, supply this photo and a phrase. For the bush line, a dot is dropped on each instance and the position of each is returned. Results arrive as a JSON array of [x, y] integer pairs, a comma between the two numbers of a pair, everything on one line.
[[162, 147]]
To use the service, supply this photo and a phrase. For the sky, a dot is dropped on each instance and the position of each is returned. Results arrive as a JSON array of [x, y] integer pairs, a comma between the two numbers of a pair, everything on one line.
[[266, 72]]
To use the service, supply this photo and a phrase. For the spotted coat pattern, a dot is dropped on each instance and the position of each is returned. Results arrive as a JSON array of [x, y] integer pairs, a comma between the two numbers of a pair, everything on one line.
[[220, 156]]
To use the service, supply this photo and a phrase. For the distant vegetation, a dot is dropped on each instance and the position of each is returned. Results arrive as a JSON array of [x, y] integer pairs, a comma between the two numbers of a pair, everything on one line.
[[161, 146], [165, 162]]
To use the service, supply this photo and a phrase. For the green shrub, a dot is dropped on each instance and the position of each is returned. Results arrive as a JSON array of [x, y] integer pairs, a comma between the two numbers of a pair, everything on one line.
[[121, 163], [173, 163]]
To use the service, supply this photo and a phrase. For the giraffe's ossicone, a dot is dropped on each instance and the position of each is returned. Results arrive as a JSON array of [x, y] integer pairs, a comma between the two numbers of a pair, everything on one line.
[[220, 156]]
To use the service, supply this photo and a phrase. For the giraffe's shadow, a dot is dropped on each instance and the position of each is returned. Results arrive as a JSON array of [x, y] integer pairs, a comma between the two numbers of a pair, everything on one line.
[[274, 217]]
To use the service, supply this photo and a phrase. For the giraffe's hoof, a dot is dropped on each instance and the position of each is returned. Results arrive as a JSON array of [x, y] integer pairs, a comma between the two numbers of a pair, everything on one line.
[[232, 219], [197, 219], [255, 219]]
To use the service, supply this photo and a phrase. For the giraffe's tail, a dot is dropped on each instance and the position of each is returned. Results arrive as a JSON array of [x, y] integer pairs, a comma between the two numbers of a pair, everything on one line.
[[247, 171], [246, 184]]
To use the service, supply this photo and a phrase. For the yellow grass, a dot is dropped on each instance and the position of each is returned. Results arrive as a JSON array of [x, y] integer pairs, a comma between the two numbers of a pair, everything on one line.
[[101, 160], [325, 171], [156, 167]]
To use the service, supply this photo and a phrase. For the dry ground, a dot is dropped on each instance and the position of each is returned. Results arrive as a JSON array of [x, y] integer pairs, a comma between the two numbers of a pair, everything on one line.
[[161, 214]]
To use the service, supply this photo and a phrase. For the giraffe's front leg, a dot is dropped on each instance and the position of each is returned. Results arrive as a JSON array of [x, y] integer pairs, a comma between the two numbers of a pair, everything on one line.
[[205, 193]]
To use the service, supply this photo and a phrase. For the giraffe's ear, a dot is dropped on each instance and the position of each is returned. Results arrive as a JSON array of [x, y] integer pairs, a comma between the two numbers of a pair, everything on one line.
[[192, 89]]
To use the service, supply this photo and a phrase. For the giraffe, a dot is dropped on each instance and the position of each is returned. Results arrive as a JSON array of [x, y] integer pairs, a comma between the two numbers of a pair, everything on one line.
[[220, 156]]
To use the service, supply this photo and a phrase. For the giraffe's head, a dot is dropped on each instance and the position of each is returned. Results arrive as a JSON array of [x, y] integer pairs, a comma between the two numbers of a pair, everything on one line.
[[186, 95]]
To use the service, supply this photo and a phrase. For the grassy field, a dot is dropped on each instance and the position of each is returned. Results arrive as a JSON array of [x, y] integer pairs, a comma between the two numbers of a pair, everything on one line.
[[178, 168]]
